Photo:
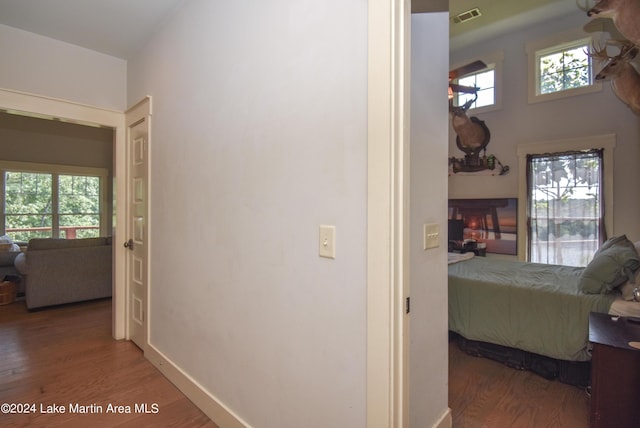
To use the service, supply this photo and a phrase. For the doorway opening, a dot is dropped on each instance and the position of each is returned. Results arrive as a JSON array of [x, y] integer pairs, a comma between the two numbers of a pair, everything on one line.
[[27, 112]]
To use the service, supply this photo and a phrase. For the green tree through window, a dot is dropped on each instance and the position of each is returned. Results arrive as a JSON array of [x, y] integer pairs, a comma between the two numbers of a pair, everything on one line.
[[564, 69], [564, 207], [28, 199], [79, 205], [51, 205]]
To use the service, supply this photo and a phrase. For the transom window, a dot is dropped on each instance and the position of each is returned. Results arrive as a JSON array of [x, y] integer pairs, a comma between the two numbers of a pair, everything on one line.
[[560, 66], [485, 80], [65, 202], [564, 67], [488, 80]]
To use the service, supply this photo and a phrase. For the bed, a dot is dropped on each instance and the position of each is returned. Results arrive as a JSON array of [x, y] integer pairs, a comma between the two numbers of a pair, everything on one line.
[[537, 308]]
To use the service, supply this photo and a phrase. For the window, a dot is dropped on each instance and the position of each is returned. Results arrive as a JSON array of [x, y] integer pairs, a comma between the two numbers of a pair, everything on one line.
[[27, 205], [564, 195], [560, 67], [488, 80], [79, 206], [564, 67], [52, 201], [566, 187], [485, 80]]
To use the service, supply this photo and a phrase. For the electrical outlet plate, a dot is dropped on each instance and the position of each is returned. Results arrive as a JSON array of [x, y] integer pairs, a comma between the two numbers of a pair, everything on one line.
[[431, 237], [328, 241]]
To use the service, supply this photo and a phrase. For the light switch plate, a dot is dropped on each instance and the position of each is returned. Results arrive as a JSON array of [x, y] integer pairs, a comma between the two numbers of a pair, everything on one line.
[[328, 241], [431, 237]]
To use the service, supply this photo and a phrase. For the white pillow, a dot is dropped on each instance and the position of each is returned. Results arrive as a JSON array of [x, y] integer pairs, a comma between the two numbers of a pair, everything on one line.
[[6, 244]]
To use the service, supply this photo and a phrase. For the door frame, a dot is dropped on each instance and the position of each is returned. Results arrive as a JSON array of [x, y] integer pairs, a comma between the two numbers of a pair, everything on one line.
[[387, 213], [52, 108]]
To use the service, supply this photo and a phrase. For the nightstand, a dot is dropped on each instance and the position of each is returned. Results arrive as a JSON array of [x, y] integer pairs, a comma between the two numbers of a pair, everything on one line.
[[615, 372]]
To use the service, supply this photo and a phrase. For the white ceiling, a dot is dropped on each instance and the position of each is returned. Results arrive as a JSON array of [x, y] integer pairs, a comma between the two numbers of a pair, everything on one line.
[[503, 16], [120, 27], [114, 27]]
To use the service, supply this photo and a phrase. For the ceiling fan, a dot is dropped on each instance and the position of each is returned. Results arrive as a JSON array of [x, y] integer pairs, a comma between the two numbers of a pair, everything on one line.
[[463, 71]]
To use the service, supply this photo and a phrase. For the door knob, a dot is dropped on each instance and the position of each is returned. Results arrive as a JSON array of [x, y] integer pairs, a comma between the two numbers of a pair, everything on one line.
[[129, 244]]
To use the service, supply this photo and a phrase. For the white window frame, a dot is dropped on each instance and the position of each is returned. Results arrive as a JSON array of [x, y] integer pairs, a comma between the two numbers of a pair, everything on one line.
[[606, 142], [495, 62], [555, 43], [55, 170]]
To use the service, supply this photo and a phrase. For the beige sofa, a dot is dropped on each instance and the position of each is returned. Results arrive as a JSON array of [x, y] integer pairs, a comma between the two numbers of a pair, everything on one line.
[[57, 271]]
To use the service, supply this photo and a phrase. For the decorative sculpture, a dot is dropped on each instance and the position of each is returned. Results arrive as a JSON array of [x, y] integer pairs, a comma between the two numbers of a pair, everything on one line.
[[625, 79], [472, 138]]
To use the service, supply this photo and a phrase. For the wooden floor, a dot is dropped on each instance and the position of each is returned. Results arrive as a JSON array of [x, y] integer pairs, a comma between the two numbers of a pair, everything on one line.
[[485, 393], [66, 357]]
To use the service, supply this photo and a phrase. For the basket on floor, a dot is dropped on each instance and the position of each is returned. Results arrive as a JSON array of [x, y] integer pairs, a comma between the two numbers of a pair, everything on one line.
[[7, 292]]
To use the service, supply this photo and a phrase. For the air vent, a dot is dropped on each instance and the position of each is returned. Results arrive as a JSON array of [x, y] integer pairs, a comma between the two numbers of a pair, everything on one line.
[[467, 16]]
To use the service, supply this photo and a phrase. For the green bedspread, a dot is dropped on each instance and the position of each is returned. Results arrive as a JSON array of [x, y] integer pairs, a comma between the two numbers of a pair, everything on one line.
[[534, 307]]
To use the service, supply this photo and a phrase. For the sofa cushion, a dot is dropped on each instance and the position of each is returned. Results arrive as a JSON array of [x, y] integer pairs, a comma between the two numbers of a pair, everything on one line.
[[7, 257], [54, 243]]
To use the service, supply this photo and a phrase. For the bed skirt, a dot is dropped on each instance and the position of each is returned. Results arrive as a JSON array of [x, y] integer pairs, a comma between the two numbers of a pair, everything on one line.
[[576, 373]]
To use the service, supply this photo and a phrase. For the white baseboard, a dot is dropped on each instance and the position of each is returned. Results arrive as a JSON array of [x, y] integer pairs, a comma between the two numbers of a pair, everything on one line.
[[446, 421], [210, 405]]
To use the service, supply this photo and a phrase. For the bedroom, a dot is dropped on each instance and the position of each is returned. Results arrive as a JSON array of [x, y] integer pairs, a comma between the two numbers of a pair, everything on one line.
[[519, 125], [519, 122]]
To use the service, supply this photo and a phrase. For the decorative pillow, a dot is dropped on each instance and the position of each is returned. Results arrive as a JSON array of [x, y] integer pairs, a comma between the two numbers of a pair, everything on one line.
[[611, 267], [627, 288], [6, 244], [621, 240]]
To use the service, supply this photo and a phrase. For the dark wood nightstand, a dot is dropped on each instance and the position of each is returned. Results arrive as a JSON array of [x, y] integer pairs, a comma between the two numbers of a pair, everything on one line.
[[615, 372]]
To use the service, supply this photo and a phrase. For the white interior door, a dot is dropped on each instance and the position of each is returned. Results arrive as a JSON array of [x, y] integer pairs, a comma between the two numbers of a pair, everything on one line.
[[137, 259]]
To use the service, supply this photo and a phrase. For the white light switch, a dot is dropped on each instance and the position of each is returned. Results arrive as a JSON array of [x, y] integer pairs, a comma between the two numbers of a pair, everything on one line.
[[431, 235], [328, 241]]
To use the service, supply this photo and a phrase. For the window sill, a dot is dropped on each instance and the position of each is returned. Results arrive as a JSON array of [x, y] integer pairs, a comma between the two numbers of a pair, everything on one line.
[[539, 98]]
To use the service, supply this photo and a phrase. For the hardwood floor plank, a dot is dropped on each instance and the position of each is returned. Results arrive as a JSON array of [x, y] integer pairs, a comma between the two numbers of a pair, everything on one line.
[[65, 356], [487, 394]]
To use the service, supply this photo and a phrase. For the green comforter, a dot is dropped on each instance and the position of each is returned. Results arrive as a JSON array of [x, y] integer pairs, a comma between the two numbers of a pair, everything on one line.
[[534, 307]]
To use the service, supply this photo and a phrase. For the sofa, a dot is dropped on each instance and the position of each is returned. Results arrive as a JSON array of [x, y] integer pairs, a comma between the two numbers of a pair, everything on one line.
[[56, 271]]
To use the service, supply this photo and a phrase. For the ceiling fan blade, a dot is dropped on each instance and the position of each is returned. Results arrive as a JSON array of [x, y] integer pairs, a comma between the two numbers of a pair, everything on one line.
[[467, 69], [465, 89]]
